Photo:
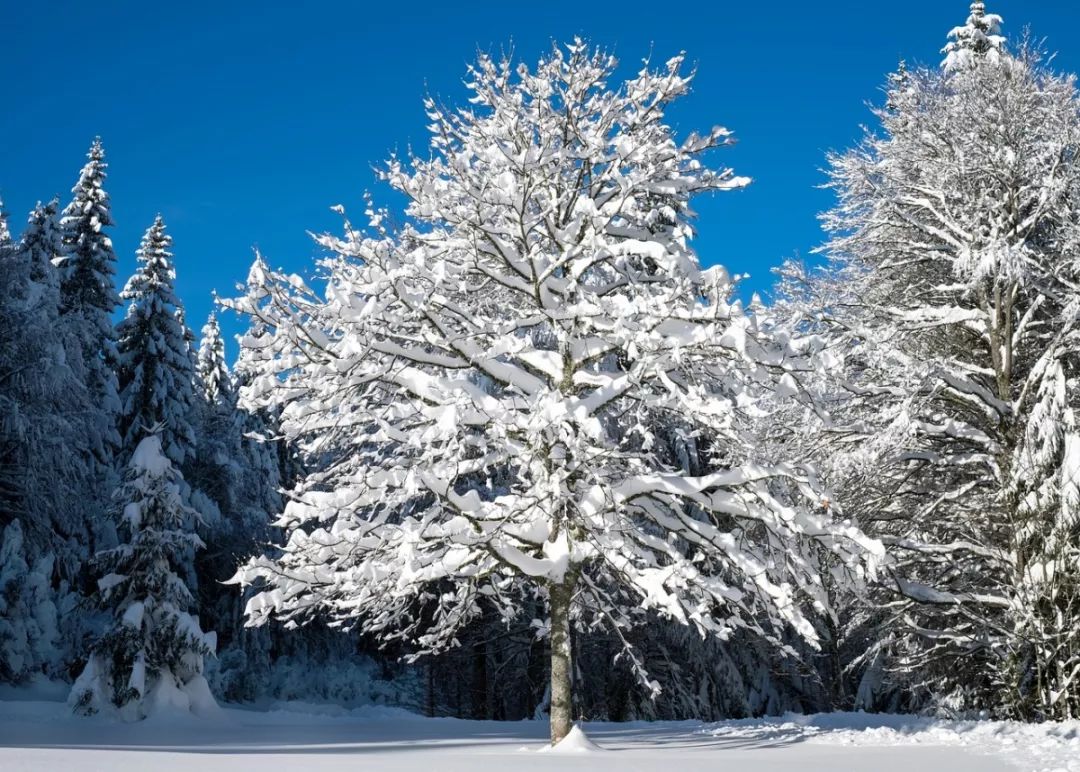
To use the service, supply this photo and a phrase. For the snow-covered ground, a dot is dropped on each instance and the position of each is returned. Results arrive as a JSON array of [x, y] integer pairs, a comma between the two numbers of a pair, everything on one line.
[[40, 734]]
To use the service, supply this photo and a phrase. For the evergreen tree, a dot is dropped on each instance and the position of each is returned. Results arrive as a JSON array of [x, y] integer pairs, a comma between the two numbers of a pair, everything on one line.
[[88, 295], [49, 473], [213, 370], [44, 395], [155, 366], [151, 657], [43, 244], [978, 39], [87, 301], [955, 305]]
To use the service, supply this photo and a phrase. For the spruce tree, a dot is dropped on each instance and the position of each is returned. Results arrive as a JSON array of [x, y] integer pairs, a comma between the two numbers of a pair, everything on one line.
[[52, 476], [48, 471], [978, 39], [88, 292], [151, 656], [955, 305], [87, 301], [42, 244], [213, 370], [155, 366]]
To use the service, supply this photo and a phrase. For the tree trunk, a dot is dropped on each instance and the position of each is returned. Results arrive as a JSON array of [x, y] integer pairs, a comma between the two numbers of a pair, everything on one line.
[[562, 700]]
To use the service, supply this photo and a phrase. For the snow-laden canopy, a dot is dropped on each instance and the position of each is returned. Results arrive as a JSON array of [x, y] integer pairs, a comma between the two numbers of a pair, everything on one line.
[[532, 388]]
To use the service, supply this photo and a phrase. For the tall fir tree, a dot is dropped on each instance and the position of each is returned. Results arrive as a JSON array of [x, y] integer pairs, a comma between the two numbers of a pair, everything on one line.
[[48, 470], [954, 299], [213, 370], [53, 477], [155, 368], [88, 299], [88, 293]]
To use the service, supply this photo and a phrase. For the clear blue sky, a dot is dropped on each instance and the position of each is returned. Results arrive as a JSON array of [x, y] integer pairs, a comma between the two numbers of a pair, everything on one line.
[[244, 122]]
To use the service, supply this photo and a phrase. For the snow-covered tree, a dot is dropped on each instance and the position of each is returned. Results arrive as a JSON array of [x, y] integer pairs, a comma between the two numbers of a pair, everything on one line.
[[481, 393], [43, 243], [213, 370], [157, 382], [977, 41], [88, 299], [151, 657], [46, 474], [217, 467], [48, 470], [958, 303]]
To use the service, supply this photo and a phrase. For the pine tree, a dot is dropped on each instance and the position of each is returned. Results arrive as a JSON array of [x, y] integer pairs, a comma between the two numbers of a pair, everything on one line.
[[954, 300], [237, 467], [154, 360], [87, 301], [213, 371], [43, 391], [49, 473], [151, 657], [979, 38], [43, 244], [88, 293]]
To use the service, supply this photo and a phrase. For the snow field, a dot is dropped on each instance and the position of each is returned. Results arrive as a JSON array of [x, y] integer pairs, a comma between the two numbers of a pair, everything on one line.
[[42, 735]]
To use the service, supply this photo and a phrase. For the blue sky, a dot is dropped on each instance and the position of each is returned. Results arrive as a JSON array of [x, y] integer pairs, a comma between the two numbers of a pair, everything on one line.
[[243, 123]]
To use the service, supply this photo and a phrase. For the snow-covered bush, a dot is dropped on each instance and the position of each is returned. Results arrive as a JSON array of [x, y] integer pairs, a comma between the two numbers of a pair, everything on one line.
[[29, 627]]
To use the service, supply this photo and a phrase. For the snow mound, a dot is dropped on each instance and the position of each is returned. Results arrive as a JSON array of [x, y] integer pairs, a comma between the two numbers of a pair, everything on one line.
[[1046, 747], [576, 741], [170, 702]]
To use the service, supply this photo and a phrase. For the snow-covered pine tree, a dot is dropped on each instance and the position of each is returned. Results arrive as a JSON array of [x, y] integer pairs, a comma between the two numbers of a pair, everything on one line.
[[956, 235], [478, 392], [977, 41], [238, 467], [270, 463], [216, 472], [151, 657], [88, 300], [53, 475], [47, 469], [155, 370], [213, 370], [217, 468]]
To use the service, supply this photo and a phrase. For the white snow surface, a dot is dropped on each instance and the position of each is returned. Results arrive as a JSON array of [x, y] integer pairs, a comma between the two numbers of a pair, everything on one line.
[[574, 742], [39, 734]]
